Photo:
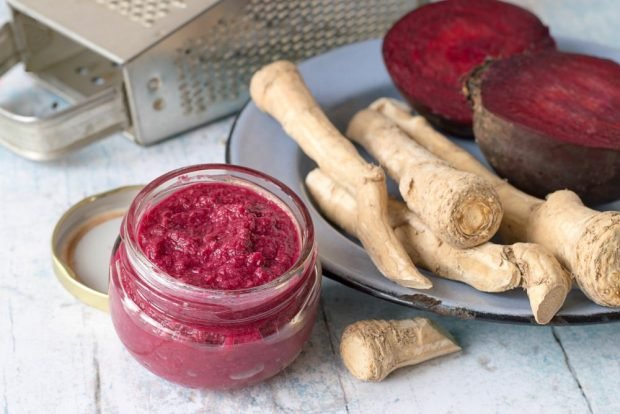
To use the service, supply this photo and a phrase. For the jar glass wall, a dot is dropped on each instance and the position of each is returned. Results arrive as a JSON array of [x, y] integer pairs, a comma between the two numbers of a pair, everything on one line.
[[212, 338]]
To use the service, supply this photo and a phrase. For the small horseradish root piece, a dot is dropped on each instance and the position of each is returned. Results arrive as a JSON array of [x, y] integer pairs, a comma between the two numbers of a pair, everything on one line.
[[429, 52], [279, 90], [551, 122], [372, 349], [460, 208], [585, 241], [488, 267]]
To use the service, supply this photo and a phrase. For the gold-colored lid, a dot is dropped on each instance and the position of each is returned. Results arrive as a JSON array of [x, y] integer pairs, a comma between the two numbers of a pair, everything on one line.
[[83, 241]]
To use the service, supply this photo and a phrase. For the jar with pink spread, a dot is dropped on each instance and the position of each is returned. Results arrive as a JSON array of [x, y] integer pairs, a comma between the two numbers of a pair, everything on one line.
[[215, 281]]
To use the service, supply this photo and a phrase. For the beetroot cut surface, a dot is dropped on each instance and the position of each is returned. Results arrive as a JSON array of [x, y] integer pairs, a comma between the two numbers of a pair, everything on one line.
[[429, 52], [569, 97], [551, 121]]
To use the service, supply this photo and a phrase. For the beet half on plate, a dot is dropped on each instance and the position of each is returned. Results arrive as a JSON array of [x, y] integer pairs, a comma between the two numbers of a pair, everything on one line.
[[429, 52], [551, 121]]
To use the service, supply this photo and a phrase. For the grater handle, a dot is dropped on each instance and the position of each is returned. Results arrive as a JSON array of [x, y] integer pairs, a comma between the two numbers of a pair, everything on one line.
[[52, 136]]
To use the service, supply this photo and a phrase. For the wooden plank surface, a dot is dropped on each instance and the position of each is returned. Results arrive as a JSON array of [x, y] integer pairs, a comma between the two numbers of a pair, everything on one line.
[[58, 356]]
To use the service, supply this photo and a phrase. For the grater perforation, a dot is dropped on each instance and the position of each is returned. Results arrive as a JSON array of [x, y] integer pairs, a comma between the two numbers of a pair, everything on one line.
[[156, 68], [145, 12], [262, 31]]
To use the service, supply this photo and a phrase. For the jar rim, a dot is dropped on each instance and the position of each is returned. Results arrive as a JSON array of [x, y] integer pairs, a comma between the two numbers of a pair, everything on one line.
[[155, 275]]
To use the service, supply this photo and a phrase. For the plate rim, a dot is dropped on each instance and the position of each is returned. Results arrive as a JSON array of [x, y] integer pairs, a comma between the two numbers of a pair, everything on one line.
[[419, 300]]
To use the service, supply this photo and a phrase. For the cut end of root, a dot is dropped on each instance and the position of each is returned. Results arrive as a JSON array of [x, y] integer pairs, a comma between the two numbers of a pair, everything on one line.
[[474, 218], [358, 357], [477, 217], [546, 302], [597, 263], [547, 283]]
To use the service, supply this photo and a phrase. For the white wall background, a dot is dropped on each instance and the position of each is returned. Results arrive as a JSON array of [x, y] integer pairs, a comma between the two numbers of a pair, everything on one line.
[[595, 20]]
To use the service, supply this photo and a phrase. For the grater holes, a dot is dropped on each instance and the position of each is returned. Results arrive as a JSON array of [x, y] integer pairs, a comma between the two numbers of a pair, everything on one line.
[[159, 104], [221, 62], [144, 12]]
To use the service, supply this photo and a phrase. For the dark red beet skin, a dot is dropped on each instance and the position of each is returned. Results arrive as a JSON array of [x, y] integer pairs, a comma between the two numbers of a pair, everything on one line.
[[429, 52], [551, 121]]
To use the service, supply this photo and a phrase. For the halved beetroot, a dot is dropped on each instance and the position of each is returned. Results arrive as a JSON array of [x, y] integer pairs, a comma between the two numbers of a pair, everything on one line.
[[429, 51], [551, 121]]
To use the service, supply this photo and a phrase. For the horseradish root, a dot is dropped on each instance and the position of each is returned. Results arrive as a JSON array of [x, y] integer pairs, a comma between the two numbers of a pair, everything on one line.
[[585, 241], [372, 349], [279, 90], [459, 207], [516, 204], [488, 268]]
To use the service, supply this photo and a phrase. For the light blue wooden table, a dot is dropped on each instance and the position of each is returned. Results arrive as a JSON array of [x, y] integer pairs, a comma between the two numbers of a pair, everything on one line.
[[59, 356]]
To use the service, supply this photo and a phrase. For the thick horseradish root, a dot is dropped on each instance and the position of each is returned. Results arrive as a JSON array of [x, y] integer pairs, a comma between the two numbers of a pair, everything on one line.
[[372, 349], [279, 90], [488, 268], [460, 208], [585, 241]]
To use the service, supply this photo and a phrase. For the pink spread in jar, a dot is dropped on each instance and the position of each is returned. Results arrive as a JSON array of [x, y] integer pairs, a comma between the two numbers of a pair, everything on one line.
[[215, 280], [219, 236]]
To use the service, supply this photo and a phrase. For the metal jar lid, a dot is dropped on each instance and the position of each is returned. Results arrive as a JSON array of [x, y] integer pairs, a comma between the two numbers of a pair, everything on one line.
[[83, 241]]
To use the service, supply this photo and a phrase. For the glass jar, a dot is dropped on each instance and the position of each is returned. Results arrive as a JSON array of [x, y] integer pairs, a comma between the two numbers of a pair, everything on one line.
[[209, 338]]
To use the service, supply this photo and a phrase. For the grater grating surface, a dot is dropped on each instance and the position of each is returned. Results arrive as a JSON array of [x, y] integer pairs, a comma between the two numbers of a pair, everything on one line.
[[217, 66], [145, 12], [157, 68]]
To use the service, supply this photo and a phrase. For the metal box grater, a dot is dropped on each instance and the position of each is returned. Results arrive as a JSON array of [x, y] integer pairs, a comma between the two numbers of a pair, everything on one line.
[[155, 68]]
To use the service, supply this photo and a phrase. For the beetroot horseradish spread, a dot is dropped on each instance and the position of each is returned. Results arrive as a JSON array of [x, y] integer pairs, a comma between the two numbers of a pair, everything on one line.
[[219, 236], [214, 283]]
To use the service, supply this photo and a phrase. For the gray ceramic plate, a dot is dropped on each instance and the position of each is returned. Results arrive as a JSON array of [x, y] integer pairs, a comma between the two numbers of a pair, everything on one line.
[[344, 81]]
